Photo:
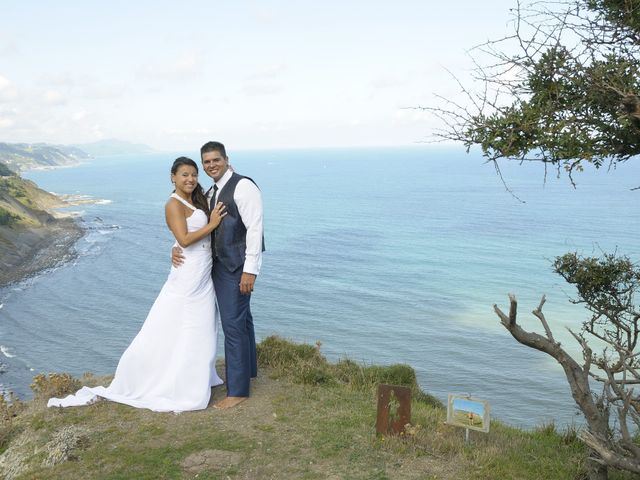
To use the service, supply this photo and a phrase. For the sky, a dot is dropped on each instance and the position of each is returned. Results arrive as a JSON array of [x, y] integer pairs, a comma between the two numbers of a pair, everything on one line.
[[252, 74]]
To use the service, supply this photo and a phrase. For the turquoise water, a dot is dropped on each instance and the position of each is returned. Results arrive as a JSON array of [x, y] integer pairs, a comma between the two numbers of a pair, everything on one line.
[[383, 255]]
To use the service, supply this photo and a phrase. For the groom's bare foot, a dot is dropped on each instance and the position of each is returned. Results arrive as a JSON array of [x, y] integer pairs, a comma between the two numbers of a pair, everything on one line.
[[229, 402]]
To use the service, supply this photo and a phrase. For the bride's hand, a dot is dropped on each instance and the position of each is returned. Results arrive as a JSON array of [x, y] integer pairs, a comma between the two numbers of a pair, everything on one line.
[[177, 258], [217, 214]]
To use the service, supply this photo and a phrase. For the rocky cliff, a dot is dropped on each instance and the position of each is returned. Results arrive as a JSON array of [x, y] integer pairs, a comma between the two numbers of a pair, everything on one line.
[[32, 236]]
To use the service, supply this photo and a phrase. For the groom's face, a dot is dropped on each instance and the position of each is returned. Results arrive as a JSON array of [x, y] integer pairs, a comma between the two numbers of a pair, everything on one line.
[[215, 164]]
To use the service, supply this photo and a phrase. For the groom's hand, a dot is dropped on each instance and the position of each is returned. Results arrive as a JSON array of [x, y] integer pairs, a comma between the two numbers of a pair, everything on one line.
[[246, 283], [177, 258]]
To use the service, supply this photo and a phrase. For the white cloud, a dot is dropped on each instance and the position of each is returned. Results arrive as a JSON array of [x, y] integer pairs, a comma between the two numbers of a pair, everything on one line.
[[7, 46], [405, 116], [184, 131], [97, 132], [262, 14], [263, 81], [53, 97], [58, 80], [344, 123], [270, 127], [7, 91], [260, 89], [184, 66], [388, 81], [85, 86], [6, 122], [103, 91], [79, 115], [267, 72]]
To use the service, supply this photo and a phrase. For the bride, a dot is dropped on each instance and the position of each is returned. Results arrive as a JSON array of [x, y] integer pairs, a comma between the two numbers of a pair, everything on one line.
[[170, 364]]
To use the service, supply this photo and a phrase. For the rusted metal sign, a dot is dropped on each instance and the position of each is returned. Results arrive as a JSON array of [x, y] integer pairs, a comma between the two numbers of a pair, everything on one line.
[[394, 409]]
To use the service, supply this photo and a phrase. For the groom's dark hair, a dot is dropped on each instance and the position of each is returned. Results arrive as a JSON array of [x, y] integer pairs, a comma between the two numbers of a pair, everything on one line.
[[213, 147]]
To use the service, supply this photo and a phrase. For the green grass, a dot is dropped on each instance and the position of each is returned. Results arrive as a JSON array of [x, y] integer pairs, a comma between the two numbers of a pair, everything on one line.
[[307, 418], [302, 363], [8, 218]]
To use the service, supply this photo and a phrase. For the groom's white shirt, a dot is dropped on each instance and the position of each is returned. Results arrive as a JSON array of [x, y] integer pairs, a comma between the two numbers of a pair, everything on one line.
[[249, 202]]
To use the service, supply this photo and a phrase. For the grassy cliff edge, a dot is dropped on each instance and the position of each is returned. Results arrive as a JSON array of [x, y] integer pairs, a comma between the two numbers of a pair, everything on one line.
[[307, 418]]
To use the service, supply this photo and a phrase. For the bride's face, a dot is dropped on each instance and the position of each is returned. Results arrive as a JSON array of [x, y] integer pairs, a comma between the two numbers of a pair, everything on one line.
[[185, 178]]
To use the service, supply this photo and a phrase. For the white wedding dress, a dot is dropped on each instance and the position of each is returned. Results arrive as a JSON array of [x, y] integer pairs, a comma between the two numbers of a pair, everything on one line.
[[170, 365]]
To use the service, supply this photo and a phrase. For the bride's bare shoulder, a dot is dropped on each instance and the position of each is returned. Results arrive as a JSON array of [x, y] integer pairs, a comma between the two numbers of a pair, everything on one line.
[[173, 207], [172, 201]]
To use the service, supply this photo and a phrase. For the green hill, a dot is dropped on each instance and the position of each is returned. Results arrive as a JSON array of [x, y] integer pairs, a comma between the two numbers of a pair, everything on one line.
[[25, 203]]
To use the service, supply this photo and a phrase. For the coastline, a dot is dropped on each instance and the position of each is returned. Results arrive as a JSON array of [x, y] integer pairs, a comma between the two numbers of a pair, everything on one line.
[[45, 241], [27, 251], [38, 168]]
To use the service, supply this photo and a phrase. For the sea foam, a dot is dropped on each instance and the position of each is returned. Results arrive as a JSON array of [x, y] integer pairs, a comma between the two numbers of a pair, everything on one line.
[[5, 352]]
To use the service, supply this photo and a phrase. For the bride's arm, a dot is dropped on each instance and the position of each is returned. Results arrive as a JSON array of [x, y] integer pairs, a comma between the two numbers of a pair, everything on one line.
[[177, 223]]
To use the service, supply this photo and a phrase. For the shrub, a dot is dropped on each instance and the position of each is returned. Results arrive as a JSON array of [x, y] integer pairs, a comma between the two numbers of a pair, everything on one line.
[[10, 407], [305, 364], [301, 362], [6, 217], [54, 385], [275, 351]]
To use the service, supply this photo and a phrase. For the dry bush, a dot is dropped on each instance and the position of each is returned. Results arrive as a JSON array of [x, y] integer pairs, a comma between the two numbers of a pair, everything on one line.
[[10, 407], [54, 385]]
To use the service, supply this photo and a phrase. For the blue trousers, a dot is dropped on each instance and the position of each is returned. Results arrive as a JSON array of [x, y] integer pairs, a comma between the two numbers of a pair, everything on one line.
[[237, 324]]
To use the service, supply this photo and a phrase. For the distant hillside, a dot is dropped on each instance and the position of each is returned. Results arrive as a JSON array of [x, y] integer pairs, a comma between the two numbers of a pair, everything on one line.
[[25, 156], [113, 147]]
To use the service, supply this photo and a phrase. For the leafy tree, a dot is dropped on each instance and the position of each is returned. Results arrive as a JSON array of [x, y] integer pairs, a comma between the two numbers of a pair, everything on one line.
[[607, 287], [563, 90]]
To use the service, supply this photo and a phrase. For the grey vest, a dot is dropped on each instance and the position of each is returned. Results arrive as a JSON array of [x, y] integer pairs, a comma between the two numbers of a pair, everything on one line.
[[230, 238]]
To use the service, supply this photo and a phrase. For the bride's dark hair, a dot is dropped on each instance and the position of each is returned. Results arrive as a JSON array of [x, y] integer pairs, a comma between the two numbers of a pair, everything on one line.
[[198, 198]]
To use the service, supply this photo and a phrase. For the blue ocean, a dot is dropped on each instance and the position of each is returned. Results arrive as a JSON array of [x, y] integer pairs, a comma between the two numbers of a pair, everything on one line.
[[383, 255]]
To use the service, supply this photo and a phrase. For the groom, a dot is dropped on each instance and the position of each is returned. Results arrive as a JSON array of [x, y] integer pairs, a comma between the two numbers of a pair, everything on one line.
[[237, 246]]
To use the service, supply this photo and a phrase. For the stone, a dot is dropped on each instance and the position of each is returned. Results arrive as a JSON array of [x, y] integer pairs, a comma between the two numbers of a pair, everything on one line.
[[210, 460], [65, 444]]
